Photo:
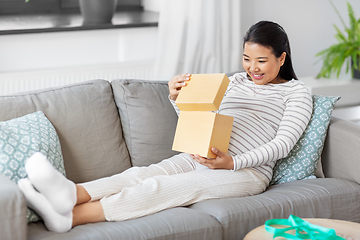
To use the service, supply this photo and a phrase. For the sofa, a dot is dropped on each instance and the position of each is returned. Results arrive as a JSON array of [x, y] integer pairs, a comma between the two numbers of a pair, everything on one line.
[[106, 127]]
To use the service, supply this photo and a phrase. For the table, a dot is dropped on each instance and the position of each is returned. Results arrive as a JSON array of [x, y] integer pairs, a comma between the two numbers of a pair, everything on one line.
[[345, 229]]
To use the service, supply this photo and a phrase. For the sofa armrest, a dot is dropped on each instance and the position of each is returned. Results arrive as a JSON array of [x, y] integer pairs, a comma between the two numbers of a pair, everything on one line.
[[13, 222], [340, 157]]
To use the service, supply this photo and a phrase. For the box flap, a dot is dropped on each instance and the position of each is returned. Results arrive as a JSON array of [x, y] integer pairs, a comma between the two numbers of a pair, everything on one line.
[[203, 92]]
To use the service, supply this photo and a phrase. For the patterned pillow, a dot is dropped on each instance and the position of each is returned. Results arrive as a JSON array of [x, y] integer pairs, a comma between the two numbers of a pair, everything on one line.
[[19, 139], [303, 159]]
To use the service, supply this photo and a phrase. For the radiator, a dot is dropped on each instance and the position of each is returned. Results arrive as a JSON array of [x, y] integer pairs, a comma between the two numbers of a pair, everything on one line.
[[15, 82]]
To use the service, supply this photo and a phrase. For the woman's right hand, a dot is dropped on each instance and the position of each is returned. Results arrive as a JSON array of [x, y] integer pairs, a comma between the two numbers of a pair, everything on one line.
[[176, 83]]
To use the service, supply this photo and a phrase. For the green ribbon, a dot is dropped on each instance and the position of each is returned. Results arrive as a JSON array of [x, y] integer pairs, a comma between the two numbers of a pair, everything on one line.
[[303, 229]]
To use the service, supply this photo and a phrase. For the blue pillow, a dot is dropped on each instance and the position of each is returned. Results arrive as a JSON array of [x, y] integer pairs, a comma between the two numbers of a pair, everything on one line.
[[302, 160], [22, 137]]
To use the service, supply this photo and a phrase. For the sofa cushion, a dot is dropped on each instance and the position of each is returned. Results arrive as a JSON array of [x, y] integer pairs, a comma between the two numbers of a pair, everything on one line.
[[320, 198], [13, 223], [87, 123], [340, 157], [177, 223], [302, 161], [20, 138], [150, 140]]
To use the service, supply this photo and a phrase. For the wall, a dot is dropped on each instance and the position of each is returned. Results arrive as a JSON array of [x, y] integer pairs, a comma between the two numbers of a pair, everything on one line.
[[309, 24], [23, 52], [151, 5]]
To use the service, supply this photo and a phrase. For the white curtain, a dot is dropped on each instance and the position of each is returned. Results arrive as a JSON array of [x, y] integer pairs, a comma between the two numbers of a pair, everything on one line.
[[198, 36]]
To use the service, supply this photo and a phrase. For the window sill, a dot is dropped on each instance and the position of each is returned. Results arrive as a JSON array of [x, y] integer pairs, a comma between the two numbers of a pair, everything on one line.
[[40, 23]]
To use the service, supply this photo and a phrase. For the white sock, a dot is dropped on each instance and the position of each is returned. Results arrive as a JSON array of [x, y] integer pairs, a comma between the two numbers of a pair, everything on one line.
[[53, 221], [60, 191]]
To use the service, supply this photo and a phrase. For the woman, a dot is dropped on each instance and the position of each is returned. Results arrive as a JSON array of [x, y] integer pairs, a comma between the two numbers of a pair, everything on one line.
[[271, 109]]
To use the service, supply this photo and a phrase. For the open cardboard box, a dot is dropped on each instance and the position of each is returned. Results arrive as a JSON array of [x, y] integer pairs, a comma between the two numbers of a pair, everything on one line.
[[198, 129], [203, 92]]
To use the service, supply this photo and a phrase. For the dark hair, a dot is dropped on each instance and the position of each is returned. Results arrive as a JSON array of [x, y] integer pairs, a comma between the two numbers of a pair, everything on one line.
[[272, 35]]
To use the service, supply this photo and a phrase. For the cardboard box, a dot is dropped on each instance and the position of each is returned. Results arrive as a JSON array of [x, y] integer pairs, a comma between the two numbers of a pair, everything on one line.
[[198, 131], [204, 92]]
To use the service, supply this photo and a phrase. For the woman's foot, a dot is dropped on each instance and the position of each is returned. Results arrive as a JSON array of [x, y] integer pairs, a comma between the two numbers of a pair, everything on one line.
[[53, 220], [60, 192]]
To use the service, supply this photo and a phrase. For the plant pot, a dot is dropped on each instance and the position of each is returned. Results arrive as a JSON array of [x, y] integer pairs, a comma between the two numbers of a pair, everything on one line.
[[97, 11], [356, 71], [357, 74]]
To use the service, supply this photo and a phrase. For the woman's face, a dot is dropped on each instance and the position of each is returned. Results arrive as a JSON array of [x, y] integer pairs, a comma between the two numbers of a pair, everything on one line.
[[261, 64]]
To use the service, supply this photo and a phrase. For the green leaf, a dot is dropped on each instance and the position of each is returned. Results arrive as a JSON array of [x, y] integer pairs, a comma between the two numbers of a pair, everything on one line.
[[347, 49], [340, 36], [337, 12], [355, 61]]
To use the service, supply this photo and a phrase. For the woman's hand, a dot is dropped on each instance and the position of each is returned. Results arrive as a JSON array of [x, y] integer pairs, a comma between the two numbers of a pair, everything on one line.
[[176, 83], [222, 160]]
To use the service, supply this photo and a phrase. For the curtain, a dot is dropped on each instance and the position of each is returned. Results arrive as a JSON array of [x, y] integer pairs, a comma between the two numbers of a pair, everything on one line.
[[198, 36]]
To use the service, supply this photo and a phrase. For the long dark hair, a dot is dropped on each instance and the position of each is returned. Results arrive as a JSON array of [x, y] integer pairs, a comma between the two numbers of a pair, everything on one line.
[[272, 35]]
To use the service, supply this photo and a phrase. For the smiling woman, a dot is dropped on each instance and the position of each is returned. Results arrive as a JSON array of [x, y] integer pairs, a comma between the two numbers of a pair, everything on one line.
[[267, 54], [261, 64]]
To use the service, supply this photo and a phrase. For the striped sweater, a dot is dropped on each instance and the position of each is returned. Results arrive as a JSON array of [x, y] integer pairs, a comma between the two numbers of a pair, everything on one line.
[[268, 121]]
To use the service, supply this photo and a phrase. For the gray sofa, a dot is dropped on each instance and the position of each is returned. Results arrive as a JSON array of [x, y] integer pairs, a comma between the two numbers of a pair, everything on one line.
[[104, 128]]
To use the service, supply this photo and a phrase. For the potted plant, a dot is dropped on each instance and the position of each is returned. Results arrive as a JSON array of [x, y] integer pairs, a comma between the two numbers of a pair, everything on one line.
[[97, 11], [347, 50]]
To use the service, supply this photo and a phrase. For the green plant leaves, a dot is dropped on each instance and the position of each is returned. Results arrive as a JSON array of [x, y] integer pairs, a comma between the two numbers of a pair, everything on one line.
[[346, 51]]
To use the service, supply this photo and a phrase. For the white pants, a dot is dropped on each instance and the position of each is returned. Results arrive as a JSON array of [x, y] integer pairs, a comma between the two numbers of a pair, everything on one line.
[[177, 181]]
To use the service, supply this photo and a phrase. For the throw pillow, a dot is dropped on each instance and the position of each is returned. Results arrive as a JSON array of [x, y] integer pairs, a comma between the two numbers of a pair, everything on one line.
[[303, 159], [19, 139], [148, 119]]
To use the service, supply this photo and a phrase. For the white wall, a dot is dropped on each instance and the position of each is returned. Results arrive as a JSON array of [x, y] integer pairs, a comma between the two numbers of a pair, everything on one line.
[[151, 5], [309, 24], [37, 51]]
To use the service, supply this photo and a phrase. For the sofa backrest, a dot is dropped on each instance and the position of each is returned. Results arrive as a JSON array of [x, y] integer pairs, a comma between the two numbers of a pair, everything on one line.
[[148, 119], [340, 157], [87, 122]]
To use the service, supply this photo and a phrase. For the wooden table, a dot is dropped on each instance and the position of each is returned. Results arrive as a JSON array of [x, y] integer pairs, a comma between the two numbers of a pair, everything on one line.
[[345, 229]]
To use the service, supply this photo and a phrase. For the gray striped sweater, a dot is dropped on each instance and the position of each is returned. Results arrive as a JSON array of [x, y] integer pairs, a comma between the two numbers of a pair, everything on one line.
[[268, 121]]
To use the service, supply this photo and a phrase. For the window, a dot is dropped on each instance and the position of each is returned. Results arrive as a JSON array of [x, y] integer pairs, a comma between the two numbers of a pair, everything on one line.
[[54, 6]]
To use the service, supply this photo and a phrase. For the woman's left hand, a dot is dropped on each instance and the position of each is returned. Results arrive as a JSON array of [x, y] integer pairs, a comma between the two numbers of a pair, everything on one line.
[[222, 161]]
